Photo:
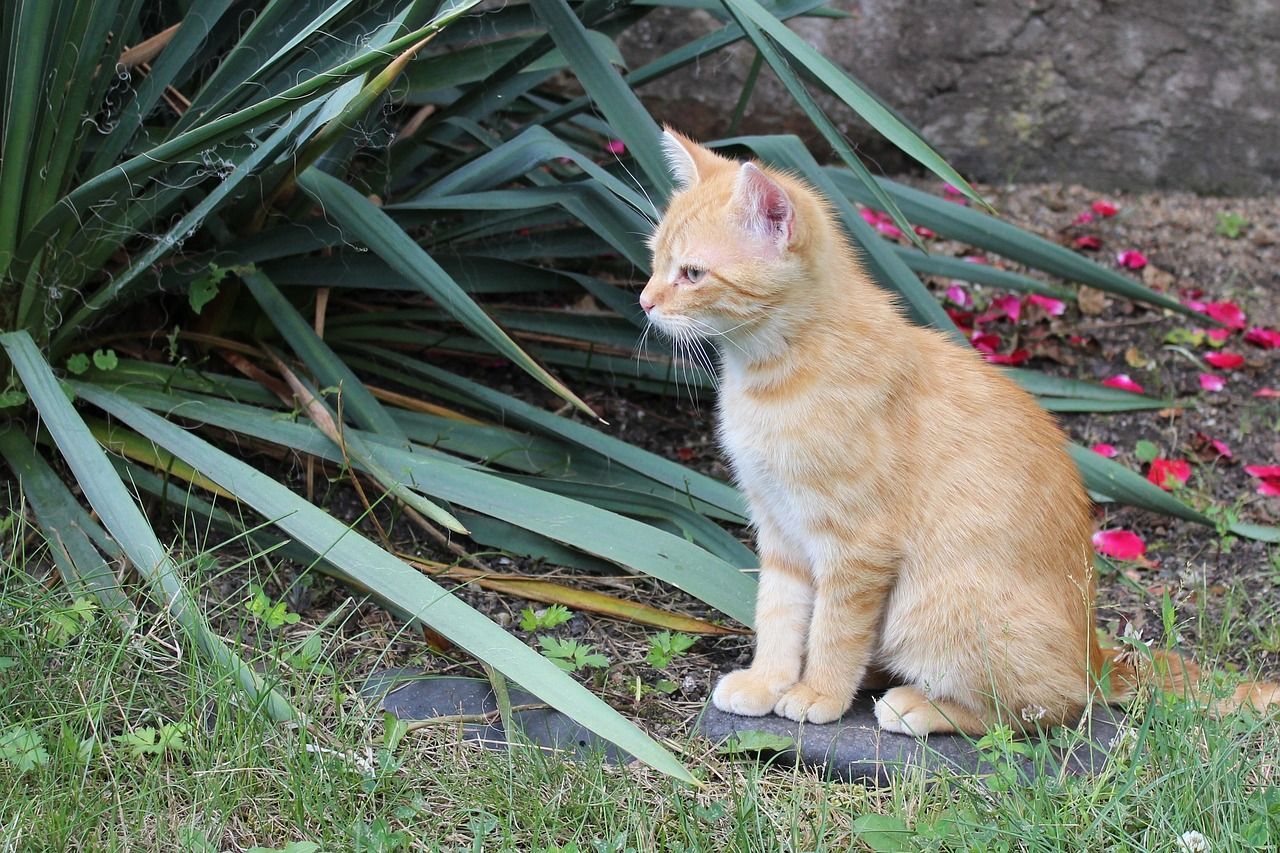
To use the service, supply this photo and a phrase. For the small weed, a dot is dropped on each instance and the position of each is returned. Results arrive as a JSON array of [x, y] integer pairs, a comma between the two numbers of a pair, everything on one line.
[[273, 614], [169, 738], [666, 647], [1231, 225], [571, 655], [542, 620]]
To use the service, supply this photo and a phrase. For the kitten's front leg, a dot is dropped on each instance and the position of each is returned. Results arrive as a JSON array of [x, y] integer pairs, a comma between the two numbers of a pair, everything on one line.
[[784, 600], [841, 639]]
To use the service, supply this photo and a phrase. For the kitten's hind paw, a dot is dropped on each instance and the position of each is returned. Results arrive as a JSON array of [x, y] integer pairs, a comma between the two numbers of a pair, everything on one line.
[[804, 704], [747, 693]]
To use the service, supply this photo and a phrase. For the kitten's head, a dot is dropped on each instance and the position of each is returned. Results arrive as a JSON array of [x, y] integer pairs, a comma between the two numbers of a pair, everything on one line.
[[732, 254]]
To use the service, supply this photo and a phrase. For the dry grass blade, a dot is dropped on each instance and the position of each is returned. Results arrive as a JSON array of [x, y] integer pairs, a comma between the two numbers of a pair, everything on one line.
[[550, 592]]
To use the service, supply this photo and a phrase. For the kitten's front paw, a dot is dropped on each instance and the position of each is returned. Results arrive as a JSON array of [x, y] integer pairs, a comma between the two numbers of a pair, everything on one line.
[[747, 693], [802, 703]]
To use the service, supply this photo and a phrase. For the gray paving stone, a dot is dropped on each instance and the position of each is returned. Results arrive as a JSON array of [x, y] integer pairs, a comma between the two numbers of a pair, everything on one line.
[[855, 749], [413, 694]]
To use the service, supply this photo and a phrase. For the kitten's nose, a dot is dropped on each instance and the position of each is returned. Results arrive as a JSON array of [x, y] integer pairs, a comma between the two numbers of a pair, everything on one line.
[[646, 303]]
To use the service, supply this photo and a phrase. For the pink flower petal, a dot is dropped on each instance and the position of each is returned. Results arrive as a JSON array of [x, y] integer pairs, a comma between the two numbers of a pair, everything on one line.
[[1265, 472], [1224, 360], [1227, 313], [1265, 338], [1218, 337], [1088, 241], [1212, 382], [975, 259], [1221, 446], [1084, 218], [926, 233], [1052, 307], [1131, 259], [1119, 544], [615, 146], [958, 295], [1123, 382], [1018, 356], [874, 217], [1010, 306], [948, 189], [1104, 208], [1166, 472], [1267, 392], [888, 229], [1270, 487], [985, 342], [1107, 450], [1195, 305]]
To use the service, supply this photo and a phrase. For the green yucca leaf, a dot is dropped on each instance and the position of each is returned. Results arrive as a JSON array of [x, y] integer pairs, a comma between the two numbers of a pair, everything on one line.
[[987, 232], [123, 518], [65, 524], [27, 47], [192, 31], [365, 222], [630, 544], [821, 121], [955, 268], [202, 136], [844, 87], [606, 87], [375, 569]]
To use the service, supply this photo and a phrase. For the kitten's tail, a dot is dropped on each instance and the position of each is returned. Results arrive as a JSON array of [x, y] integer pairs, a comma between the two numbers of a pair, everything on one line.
[[1128, 671]]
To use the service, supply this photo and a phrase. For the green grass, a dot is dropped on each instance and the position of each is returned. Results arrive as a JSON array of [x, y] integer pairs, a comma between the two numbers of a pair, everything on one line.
[[113, 740]]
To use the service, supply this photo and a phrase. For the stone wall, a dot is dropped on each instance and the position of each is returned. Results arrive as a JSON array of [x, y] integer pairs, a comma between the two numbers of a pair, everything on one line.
[[1119, 94]]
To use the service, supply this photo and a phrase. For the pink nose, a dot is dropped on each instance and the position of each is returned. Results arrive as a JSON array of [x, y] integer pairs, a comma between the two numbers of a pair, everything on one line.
[[646, 304]]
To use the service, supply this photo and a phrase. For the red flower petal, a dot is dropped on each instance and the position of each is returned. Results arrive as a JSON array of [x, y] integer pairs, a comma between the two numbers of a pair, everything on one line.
[[1010, 306], [958, 295], [924, 232], [1131, 259], [1212, 382], [1123, 382], [1227, 313], [1089, 241], [1018, 356], [1166, 472], [1104, 208], [1084, 218], [987, 342], [1265, 472], [1051, 306], [1267, 392], [960, 318], [1119, 544], [1270, 487], [975, 259], [615, 146], [1265, 338], [1107, 450], [1224, 360]]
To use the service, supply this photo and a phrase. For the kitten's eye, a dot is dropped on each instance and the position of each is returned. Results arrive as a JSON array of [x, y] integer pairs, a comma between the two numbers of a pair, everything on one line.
[[693, 274]]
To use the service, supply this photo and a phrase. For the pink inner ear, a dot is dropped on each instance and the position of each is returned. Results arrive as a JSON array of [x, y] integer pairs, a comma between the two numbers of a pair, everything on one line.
[[768, 210]]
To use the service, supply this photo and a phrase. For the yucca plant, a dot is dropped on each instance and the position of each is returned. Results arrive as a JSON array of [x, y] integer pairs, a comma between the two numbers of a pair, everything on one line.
[[336, 191]]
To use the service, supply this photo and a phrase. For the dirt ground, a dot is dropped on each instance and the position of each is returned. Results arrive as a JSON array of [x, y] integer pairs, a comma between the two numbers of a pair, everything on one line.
[[1224, 588]]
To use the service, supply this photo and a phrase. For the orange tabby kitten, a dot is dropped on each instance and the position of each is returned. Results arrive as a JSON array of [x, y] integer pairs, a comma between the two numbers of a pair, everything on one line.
[[915, 510]]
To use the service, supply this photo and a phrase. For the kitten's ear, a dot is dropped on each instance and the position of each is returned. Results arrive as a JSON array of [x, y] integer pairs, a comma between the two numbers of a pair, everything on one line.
[[764, 206], [680, 160]]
